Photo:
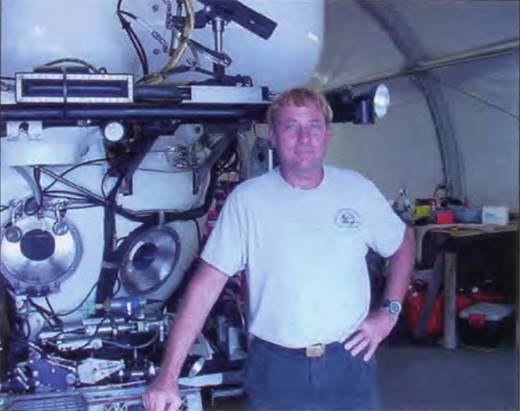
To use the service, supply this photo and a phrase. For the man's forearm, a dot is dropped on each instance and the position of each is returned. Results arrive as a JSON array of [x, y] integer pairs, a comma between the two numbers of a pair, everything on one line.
[[203, 291], [400, 268]]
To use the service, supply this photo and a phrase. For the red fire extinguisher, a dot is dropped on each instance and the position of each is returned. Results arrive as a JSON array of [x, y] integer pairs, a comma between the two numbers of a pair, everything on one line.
[[414, 303]]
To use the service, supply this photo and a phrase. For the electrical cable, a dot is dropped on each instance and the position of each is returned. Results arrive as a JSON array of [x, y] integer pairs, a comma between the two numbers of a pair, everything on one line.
[[118, 285], [154, 301], [156, 35], [97, 160], [120, 240], [199, 235], [55, 337], [46, 314], [83, 207], [63, 314], [49, 305], [69, 195], [40, 309], [141, 52], [134, 39], [91, 196], [75, 200], [102, 188], [149, 217], [186, 35], [133, 347], [154, 170], [72, 60], [111, 259]]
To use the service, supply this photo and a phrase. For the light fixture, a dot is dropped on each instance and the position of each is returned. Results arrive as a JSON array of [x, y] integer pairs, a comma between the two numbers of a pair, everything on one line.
[[359, 109], [381, 100], [114, 131]]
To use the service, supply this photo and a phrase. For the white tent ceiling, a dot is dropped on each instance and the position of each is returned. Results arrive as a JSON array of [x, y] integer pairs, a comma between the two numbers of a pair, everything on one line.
[[452, 69], [377, 38]]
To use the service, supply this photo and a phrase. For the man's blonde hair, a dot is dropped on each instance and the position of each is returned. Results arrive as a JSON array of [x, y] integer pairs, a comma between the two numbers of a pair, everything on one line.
[[299, 97]]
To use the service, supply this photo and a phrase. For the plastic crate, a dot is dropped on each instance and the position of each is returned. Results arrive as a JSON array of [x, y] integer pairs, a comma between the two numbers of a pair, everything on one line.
[[483, 324]]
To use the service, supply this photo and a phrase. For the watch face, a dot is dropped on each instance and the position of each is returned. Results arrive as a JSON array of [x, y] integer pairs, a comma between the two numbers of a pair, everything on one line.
[[394, 307]]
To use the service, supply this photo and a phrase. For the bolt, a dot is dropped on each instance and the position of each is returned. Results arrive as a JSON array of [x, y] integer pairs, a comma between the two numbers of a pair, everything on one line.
[[70, 379], [156, 51], [155, 7], [13, 234], [60, 228]]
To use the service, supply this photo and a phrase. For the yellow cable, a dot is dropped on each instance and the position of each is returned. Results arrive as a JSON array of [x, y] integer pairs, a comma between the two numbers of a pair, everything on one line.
[[187, 32]]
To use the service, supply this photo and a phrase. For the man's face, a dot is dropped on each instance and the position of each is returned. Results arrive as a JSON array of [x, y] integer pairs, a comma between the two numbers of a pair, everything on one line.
[[300, 137]]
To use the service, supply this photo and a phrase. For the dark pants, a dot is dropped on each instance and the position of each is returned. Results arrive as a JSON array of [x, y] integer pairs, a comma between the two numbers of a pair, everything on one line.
[[278, 378]]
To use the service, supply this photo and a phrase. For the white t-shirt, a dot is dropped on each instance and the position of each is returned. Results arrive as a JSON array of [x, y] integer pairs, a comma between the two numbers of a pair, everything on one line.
[[304, 252]]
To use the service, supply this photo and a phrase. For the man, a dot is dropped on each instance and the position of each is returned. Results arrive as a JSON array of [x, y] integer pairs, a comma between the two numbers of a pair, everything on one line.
[[301, 232]]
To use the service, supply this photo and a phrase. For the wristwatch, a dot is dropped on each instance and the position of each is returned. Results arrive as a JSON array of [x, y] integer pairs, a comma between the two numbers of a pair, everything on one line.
[[394, 306]]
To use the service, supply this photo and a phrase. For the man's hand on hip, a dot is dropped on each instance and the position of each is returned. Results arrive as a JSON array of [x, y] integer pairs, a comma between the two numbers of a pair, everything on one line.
[[369, 334]]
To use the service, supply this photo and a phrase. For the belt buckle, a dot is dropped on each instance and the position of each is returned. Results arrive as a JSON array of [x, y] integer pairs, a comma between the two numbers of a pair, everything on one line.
[[315, 351]]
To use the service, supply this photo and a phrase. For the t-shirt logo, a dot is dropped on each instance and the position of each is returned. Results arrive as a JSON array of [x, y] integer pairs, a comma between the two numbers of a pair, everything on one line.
[[348, 219]]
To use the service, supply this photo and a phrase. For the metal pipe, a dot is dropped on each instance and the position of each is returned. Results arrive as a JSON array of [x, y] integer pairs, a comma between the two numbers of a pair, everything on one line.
[[218, 30], [192, 112], [143, 92]]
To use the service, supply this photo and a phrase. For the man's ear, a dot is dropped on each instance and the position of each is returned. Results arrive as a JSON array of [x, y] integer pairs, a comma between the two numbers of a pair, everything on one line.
[[329, 132]]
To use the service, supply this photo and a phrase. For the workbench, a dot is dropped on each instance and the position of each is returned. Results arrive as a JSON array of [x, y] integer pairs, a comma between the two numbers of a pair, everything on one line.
[[450, 240]]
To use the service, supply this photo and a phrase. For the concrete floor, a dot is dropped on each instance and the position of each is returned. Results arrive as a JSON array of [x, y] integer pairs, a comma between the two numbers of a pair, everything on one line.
[[431, 378]]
